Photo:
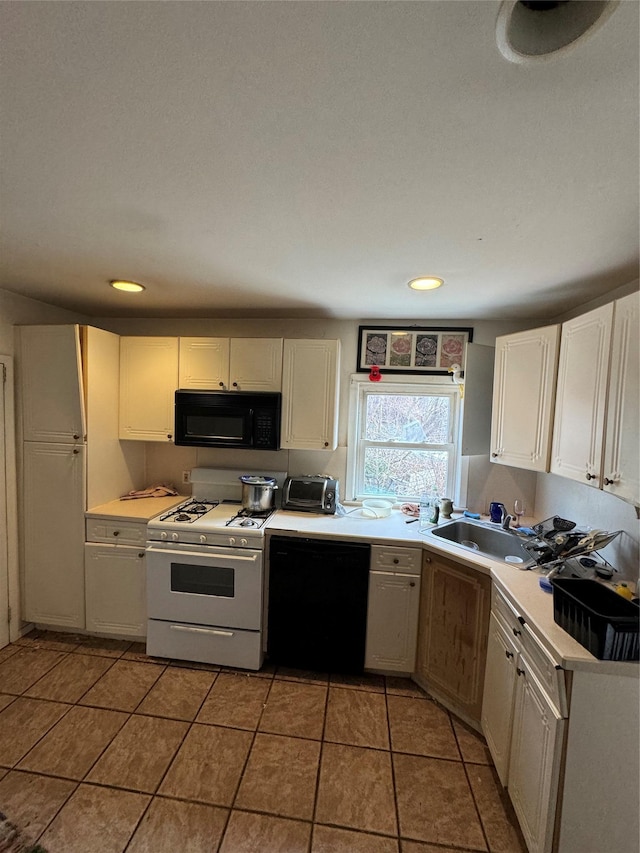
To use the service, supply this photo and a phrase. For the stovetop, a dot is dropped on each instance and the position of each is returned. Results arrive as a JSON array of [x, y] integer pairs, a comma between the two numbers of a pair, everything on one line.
[[202, 521]]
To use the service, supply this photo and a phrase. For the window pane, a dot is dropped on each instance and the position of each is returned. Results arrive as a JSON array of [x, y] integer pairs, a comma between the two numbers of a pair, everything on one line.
[[403, 472], [415, 419]]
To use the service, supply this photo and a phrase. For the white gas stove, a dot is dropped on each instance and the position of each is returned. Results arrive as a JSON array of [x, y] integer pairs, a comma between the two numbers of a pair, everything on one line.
[[207, 522]]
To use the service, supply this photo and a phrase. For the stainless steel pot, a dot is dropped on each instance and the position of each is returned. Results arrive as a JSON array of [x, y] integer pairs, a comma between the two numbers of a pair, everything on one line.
[[258, 492]]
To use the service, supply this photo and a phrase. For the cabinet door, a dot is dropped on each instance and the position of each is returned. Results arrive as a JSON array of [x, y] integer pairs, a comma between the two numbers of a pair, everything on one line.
[[452, 638], [115, 590], [204, 363], [534, 765], [497, 703], [523, 398], [148, 380], [255, 364], [581, 395], [310, 394], [392, 621], [621, 457], [53, 506], [51, 384]]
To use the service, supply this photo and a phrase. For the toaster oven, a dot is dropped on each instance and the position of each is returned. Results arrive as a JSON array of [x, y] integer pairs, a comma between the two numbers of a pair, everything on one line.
[[310, 493]]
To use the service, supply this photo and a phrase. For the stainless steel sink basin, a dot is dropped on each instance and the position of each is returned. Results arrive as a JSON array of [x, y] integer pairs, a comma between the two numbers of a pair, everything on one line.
[[497, 544]]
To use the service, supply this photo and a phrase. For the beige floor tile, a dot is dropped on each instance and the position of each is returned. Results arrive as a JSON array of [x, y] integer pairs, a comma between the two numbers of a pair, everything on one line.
[[124, 686], [140, 753], [73, 745], [100, 820], [397, 686], [103, 647], [357, 717], [280, 777], [422, 728], [23, 723], [356, 789], [419, 847], [25, 667], [256, 833], [366, 681], [177, 694], [33, 801], [208, 765], [472, 744], [496, 813], [7, 651], [3, 772], [189, 664], [70, 679], [235, 700], [306, 676], [170, 826], [435, 802], [328, 839], [6, 699], [59, 641], [294, 709], [138, 651]]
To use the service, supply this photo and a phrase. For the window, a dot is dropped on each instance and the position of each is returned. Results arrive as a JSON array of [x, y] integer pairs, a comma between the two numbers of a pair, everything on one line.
[[402, 439]]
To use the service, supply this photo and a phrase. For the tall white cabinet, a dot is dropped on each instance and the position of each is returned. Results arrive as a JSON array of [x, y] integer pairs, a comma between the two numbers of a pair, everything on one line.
[[148, 380], [310, 388]]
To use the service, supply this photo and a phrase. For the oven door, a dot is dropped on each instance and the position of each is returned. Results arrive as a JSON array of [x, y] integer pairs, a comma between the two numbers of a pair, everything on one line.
[[219, 586]]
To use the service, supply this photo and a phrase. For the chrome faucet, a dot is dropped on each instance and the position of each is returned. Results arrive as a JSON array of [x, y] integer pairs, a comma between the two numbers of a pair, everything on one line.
[[506, 520]]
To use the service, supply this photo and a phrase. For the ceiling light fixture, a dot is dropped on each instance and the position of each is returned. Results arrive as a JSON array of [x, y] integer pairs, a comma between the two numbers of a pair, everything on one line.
[[128, 286], [426, 282]]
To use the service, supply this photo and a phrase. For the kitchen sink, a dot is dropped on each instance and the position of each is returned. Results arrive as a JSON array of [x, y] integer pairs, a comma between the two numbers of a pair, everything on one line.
[[497, 544]]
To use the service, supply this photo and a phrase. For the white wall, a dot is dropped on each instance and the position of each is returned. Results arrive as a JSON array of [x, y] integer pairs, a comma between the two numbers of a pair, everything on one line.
[[19, 310]]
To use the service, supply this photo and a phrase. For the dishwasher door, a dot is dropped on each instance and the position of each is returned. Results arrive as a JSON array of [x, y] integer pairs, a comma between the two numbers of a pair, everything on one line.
[[317, 617]]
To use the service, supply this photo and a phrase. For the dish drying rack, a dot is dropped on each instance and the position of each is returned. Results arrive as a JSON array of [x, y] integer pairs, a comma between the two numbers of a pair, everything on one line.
[[557, 540]]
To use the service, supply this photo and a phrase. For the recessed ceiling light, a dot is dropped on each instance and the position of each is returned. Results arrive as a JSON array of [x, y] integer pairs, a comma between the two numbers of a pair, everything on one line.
[[425, 283], [129, 286]]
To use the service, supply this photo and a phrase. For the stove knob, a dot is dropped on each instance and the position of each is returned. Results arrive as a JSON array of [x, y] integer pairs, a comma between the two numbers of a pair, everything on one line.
[[203, 539], [244, 543], [163, 535], [232, 540], [175, 537]]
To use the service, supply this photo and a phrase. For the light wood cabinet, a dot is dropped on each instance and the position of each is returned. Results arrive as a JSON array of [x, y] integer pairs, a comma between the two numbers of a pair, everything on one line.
[[310, 388], [523, 398], [115, 590], [231, 364], [455, 602], [148, 380], [392, 611]]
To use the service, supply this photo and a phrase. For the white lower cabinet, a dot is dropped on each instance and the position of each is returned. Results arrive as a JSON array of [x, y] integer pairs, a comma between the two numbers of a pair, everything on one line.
[[499, 689], [392, 613], [115, 590]]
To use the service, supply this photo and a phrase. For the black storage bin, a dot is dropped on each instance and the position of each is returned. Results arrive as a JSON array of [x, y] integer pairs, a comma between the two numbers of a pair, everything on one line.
[[595, 615]]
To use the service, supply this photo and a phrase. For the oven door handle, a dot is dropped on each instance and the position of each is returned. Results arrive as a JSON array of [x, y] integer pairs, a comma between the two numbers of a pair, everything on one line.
[[191, 630], [233, 558]]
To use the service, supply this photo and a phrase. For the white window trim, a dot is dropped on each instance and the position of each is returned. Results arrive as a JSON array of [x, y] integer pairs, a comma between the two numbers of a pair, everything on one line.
[[414, 384]]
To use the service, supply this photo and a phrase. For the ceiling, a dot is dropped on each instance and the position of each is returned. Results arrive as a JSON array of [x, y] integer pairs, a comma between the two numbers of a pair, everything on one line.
[[306, 159]]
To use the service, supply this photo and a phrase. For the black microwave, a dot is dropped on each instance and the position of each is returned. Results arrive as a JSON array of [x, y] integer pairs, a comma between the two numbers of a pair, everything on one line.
[[246, 419]]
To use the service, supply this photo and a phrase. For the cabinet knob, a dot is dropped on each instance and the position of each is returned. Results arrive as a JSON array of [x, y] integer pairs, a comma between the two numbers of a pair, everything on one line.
[[494, 455], [591, 476], [427, 559], [326, 444], [116, 533], [169, 436], [516, 632], [412, 583], [76, 436], [519, 671], [75, 450], [141, 554], [221, 384], [608, 482], [235, 384], [395, 561], [509, 654]]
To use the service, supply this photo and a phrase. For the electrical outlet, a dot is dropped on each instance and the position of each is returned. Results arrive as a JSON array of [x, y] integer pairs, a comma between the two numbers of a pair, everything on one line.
[[186, 476]]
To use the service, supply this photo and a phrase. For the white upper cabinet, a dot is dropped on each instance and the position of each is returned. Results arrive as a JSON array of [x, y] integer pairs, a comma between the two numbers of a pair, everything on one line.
[[148, 380], [523, 398], [310, 389], [581, 397], [621, 469], [50, 359], [231, 364]]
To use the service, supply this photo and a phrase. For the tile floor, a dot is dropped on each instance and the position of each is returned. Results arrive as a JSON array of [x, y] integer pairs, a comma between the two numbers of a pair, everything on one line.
[[103, 749]]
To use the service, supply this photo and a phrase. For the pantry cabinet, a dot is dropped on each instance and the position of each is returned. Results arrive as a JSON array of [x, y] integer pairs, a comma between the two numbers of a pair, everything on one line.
[[523, 398], [392, 611], [231, 364], [148, 380], [455, 602], [310, 387]]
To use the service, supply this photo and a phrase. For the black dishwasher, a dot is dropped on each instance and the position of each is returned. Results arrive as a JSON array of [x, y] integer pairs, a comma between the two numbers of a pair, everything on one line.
[[318, 592]]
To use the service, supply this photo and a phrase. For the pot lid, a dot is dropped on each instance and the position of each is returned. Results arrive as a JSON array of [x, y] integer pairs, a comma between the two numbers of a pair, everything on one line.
[[256, 480]]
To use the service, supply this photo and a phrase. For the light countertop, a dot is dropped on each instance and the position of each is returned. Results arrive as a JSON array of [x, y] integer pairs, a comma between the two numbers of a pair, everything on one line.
[[138, 509]]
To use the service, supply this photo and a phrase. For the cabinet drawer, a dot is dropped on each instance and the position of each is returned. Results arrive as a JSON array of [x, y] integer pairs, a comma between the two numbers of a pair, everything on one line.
[[224, 646], [108, 530], [389, 559]]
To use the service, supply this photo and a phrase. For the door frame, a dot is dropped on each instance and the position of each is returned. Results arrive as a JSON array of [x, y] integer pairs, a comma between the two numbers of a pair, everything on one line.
[[11, 495]]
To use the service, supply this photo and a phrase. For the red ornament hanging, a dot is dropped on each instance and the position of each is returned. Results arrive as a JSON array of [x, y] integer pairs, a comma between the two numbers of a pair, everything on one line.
[[374, 374]]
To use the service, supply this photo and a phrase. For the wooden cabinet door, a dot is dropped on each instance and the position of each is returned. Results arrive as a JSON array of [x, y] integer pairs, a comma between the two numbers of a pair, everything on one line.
[[583, 373], [255, 364], [392, 621], [621, 457], [310, 394], [452, 634], [535, 758], [523, 398], [497, 702], [53, 506], [204, 364], [115, 590], [148, 380], [51, 384]]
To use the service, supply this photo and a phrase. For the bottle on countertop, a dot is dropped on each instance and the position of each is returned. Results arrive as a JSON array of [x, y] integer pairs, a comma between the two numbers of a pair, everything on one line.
[[623, 590]]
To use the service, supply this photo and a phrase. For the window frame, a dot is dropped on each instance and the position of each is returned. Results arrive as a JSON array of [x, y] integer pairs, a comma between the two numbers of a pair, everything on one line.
[[360, 388]]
